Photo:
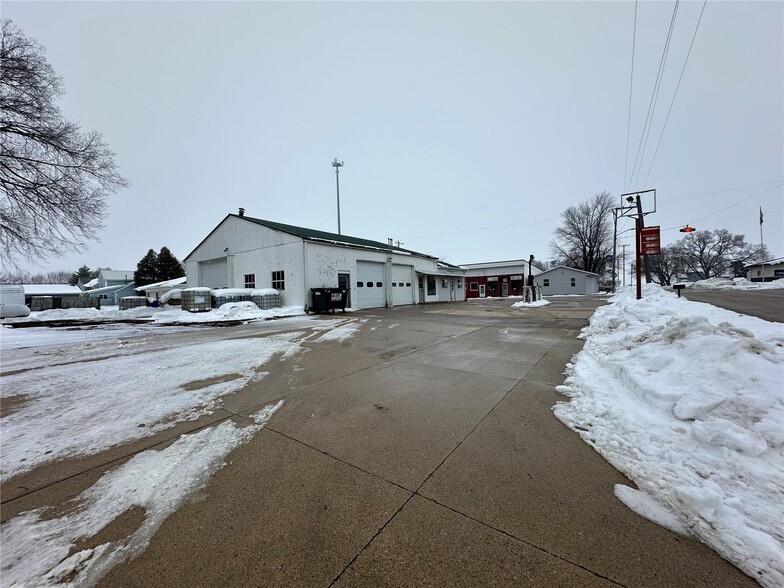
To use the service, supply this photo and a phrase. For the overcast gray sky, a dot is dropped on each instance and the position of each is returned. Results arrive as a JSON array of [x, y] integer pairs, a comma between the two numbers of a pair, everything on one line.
[[465, 128]]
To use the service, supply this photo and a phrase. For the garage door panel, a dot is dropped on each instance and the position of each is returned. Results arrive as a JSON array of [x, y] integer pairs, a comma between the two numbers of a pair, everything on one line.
[[214, 274], [402, 285], [370, 296]]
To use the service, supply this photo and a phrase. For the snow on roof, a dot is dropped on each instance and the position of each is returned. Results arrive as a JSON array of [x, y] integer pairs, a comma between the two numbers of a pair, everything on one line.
[[51, 290], [164, 284], [105, 289], [92, 283], [563, 267]]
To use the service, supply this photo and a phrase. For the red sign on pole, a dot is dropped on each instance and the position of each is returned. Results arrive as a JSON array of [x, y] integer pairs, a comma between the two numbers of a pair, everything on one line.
[[650, 241]]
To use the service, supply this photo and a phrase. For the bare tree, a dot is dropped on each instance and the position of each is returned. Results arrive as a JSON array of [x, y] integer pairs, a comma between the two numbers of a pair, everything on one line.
[[666, 266], [713, 253], [50, 277], [54, 178], [584, 238]]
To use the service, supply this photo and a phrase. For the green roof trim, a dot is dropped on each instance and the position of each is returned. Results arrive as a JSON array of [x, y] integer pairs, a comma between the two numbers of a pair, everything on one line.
[[312, 234]]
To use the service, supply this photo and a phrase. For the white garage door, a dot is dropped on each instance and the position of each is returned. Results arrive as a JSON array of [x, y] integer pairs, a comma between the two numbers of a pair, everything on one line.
[[370, 284], [214, 274], [402, 285]]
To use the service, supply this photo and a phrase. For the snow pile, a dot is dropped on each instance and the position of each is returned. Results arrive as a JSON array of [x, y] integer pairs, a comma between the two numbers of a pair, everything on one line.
[[265, 292], [84, 408], [686, 399], [231, 311], [530, 304], [738, 284], [37, 550]]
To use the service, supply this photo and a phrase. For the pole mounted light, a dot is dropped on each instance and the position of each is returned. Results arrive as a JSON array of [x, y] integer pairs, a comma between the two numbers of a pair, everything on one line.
[[687, 229], [337, 165]]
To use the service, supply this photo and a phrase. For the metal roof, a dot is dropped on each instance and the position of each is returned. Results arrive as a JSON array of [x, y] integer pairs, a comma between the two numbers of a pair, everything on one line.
[[323, 236]]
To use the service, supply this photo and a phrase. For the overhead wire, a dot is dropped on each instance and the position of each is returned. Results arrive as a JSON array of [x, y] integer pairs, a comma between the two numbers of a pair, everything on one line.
[[722, 192], [631, 86], [646, 129], [658, 144]]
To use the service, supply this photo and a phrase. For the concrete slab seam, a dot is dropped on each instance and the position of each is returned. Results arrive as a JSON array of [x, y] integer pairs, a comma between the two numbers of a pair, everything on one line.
[[523, 541], [344, 462]]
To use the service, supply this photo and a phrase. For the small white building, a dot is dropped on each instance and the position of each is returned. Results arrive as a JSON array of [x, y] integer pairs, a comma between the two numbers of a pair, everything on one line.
[[567, 280], [246, 252], [158, 289], [765, 272]]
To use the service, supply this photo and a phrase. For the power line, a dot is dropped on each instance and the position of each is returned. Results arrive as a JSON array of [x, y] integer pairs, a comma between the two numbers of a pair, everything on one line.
[[696, 28], [655, 92], [657, 89], [631, 86], [723, 192], [740, 202]]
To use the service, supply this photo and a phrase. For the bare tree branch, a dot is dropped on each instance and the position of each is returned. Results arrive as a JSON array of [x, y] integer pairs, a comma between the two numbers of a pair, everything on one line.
[[54, 178], [584, 238]]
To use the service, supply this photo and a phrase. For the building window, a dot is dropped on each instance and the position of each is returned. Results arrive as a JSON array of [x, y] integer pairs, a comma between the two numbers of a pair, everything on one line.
[[408, 284], [474, 286], [443, 283], [759, 273], [360, 284], [379, 284], [546, 283], [278, 280], [370, 284], [431, 285], [460, 283], [250, 280], [394, 284], [573, 282]]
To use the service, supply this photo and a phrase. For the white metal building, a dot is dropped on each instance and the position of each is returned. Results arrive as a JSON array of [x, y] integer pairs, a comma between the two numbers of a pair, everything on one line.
[[246, 252], [567, 280]]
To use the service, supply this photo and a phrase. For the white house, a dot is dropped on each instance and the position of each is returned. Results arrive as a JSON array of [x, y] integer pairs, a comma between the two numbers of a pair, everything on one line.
[[567, 280], [246, 252]]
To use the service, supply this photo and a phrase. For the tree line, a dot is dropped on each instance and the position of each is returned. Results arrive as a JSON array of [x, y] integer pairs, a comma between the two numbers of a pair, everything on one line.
[[153, 267], [584, 241]]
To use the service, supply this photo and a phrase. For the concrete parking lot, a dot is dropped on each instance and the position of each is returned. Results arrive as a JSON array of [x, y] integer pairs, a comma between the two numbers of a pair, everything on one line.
[[420, 451]]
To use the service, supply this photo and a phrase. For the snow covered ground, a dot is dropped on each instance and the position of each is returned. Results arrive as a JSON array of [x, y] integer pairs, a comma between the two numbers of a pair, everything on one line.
[[232, 311], [736, 284], [687, 400], [81, 391]]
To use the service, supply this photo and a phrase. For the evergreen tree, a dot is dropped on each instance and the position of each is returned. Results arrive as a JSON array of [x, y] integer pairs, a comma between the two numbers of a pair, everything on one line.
[[147, 269], [168, 266], [82, 272]]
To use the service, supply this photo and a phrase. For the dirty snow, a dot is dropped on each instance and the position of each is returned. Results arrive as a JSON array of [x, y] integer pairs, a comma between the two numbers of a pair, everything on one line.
[[233, 311], [83, 408], [686, 399], [533, 304], [37, 549]]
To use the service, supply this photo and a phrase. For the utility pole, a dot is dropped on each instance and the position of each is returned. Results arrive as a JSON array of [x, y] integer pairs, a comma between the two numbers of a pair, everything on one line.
[[337, 165], [623, 262]]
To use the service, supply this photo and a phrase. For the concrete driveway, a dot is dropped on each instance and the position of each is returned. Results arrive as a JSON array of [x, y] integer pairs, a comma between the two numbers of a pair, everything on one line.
[[420, 451]]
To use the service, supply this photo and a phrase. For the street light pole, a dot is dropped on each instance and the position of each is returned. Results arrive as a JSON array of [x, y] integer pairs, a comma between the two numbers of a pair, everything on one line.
[[337, 165]]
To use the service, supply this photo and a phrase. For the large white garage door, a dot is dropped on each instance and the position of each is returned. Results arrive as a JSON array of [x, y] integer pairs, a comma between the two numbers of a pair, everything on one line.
[[370, 284], [214, 274], [402, 285]]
